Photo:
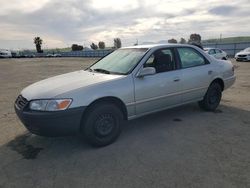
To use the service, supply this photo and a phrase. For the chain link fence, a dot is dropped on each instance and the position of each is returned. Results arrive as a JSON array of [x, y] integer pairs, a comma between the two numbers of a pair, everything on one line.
[[230, 48]]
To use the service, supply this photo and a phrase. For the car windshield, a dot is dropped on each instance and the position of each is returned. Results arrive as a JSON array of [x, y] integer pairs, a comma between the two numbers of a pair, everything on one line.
[[247, 50], [121, 61]]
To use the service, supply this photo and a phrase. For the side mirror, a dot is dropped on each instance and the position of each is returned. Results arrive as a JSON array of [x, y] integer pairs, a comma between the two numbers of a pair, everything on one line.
[[146, 71]]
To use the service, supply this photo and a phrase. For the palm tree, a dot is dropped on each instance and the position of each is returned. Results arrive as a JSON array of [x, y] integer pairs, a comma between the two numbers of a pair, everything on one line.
[[38, 42]]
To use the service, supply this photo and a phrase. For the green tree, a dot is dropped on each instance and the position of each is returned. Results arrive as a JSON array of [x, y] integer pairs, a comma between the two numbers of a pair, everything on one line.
[[94, 46], [117, 43], [172, 41], [76, 47], [38, 42], [183, 41], [194, 38], [101, 45]]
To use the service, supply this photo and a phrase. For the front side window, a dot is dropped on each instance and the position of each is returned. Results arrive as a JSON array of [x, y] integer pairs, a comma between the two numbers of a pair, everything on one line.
[[218, 51], [162, 60], [211, 52], [121, 61], [190, 57]]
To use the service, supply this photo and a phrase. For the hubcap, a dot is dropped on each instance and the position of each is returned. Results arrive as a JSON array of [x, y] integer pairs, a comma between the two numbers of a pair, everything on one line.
[[104, 124]]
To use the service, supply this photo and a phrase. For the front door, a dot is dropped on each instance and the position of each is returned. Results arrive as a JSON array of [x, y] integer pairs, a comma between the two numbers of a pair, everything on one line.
[[161, 90]]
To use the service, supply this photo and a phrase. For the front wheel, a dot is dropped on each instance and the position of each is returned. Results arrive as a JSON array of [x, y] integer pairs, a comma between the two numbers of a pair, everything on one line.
[[212, 98], [102, 124]]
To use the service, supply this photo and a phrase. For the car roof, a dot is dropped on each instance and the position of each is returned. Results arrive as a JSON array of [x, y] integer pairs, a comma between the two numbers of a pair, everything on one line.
[[151, 46], [212, 48], [159, 46]]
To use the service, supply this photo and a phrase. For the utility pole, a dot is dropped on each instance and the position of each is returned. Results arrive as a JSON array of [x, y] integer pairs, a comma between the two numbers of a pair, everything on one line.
[[136, 42]]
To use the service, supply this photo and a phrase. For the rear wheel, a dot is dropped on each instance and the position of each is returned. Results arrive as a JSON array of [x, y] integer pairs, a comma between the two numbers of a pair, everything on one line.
[[102, 124], [212, 98]]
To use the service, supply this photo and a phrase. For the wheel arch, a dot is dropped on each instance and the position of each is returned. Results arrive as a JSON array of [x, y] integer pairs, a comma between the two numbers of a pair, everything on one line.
[[219, 81], [111, 100]]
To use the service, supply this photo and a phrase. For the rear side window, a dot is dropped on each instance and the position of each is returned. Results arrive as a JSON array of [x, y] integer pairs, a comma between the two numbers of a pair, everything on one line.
[[190, 57]]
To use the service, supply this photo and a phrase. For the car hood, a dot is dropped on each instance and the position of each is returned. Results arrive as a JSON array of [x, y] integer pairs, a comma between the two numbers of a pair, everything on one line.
[[243, 53], [51, 87]]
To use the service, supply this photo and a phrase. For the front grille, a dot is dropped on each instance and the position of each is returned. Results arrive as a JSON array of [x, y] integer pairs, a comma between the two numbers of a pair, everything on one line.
[[21, 102], [242, 55]]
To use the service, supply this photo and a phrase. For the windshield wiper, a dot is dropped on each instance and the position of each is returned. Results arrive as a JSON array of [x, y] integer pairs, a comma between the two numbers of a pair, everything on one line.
[[88, 69], [102, 71], [105, 71]]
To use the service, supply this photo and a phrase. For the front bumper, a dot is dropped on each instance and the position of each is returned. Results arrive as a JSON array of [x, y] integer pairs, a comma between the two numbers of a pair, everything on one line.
[[59, 123], [228, 82], [245, 58]]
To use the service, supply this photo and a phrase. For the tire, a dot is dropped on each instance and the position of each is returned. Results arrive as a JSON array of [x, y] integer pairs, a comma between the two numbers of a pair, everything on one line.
[[212, 97], [102, 124]]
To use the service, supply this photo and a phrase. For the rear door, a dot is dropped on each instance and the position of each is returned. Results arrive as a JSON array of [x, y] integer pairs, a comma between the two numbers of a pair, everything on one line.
[[196, 72], [219, 54]]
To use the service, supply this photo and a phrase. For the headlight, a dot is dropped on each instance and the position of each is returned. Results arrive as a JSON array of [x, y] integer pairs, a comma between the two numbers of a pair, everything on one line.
[[50, 105]]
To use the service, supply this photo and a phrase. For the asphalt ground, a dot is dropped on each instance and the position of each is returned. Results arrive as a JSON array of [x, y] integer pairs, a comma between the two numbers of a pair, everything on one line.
[[181, 147]]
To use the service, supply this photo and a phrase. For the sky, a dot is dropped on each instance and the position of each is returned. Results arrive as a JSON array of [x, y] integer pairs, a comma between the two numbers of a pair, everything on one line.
[[60, 23]]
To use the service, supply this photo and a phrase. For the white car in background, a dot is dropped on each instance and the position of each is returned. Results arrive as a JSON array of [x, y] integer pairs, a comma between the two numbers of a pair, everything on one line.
[[5, 53], [217, 53], [243, 55]]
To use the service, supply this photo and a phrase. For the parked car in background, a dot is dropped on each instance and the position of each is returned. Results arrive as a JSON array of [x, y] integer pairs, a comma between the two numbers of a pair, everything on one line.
[[128, 83], [57, 55], [217, 53], [49, 55], [53, 55], [243, 55], [5, 54]]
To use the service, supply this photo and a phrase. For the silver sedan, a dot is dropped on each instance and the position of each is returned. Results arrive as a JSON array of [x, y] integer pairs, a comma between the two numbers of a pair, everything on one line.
[[128, 83]]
